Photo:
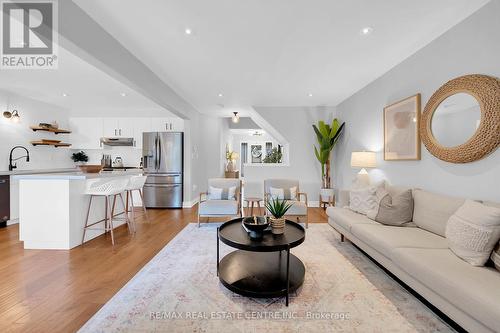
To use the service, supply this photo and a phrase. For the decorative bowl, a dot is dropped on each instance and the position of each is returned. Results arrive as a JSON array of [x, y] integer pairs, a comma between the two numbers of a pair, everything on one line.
[[256, 226], [90, 168]]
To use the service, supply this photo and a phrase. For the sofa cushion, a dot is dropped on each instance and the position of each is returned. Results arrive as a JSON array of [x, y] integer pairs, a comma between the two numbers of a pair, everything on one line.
[[283, 193], [346, 217], [431, 211], [394, 209], [227, 193], [298, 208], [363, 200], [495, 256], [385, 239], [218, 207], [474, 290], [473, 231]]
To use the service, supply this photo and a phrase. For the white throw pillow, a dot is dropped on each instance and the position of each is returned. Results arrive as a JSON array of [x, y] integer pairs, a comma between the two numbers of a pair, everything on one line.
[[216, 193], [472, 232], [363, 200], [282, 194]]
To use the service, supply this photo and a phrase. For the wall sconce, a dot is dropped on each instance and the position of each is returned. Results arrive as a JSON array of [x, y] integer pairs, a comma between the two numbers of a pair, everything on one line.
[[14, 115], [236, 118]]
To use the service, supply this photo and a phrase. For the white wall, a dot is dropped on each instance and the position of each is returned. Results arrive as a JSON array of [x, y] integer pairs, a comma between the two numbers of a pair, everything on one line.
[[206, 150], [295, 125], [12, 134], [473, 46]]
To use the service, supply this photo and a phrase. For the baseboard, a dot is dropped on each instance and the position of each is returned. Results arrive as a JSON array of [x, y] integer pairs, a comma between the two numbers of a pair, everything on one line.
[[189, 204], [14, 221]]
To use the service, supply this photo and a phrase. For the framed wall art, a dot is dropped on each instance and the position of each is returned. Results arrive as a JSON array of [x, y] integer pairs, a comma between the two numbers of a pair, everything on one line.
[[401, 130]]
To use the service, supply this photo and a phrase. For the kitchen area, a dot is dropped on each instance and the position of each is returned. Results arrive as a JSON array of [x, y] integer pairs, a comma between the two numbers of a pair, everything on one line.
[[50, 204]]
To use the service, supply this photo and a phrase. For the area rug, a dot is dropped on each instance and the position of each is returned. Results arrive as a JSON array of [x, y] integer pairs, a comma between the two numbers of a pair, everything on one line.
[[178, 291]]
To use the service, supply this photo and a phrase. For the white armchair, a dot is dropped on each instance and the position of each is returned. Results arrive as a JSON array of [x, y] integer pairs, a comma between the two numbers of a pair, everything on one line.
[[299, 206], [230, 207]]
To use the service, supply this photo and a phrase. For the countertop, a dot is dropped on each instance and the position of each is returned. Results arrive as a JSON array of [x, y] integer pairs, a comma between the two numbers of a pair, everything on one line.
[[38, 171], [78, 175]]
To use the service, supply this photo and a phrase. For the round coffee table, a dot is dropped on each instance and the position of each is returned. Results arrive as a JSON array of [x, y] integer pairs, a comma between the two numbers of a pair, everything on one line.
[[258, 268]]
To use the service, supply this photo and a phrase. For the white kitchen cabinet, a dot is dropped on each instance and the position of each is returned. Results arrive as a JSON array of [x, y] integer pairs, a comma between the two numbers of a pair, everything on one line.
[[171, 124], [118, 127], [141, 125], [127, 126], [86, 133]]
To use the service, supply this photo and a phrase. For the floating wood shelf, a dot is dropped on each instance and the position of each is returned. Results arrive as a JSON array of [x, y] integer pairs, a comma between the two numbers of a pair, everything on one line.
[[45, 143], [52, 130]]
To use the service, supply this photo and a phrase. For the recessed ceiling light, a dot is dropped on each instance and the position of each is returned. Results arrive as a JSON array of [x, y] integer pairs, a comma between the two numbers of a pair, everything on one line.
[[366, 31], [220, 95], [64, 95], [188, 31], [123, 94], [310, 95]]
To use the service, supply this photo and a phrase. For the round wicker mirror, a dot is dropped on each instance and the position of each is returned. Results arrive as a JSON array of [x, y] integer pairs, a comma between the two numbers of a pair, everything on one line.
[[486, 138]]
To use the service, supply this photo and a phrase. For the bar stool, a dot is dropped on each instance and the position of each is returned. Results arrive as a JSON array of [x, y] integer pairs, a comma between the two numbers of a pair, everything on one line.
[[136, 183], [106, 188]]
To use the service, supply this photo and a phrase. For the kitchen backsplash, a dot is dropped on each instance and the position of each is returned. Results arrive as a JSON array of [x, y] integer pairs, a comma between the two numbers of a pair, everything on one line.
[[131, 156]]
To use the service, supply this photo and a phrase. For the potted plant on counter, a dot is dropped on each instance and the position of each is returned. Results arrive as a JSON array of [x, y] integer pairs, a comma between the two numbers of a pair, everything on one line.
[[80, 158], [278, 209], [327, 136]]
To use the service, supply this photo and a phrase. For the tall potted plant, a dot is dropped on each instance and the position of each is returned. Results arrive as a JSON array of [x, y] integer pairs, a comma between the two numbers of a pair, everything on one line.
[[327, 136]]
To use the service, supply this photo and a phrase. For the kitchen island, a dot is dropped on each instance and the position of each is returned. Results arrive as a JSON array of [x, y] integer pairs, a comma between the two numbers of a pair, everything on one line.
[[53, 208]]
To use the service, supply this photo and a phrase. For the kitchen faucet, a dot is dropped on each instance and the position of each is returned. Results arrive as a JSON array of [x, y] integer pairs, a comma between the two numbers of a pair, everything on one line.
[[11, 166]]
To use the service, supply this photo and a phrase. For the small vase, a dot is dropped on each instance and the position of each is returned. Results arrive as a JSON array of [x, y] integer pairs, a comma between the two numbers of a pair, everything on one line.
[[229, 166], [277, 225]]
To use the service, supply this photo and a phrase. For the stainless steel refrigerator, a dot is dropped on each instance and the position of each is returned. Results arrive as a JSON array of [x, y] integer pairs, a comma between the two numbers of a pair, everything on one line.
[[162, 158]]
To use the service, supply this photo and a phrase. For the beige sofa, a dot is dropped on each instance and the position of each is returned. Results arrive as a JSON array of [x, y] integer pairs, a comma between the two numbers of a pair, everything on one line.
[[419, 256]]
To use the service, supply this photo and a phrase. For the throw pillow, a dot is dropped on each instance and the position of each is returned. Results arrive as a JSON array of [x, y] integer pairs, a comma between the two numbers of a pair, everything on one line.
[[495, 256], [396, 210], [472, 232], [283, 193], [363, 200], [216, 193]]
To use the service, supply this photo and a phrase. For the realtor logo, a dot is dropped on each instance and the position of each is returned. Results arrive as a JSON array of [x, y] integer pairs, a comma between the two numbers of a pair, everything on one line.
[[29, 35]]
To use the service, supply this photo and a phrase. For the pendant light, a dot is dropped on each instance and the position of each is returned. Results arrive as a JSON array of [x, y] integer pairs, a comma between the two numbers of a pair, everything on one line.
[[236, 118]]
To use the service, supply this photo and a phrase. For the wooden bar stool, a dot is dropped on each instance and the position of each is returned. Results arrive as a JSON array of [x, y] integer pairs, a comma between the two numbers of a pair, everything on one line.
[[136, 183], [106, 188]]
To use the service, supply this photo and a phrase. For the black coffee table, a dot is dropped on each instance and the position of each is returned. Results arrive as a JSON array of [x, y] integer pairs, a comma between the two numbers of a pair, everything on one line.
[[258, 268]]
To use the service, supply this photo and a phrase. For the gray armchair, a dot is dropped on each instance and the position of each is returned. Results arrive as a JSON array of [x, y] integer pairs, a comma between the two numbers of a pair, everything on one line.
[[299, 207], [223, 207]]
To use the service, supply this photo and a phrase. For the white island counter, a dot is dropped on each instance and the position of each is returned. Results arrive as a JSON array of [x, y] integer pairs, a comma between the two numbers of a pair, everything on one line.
[[53, 208]]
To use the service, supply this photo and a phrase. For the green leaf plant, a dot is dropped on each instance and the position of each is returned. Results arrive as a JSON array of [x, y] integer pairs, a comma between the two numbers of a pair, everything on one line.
[[327, 136]]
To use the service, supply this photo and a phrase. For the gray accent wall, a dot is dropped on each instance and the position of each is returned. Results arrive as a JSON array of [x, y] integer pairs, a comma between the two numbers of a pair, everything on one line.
[[472, 46]]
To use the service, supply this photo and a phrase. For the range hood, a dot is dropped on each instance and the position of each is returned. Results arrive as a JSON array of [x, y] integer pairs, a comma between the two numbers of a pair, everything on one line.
[[127, 142]]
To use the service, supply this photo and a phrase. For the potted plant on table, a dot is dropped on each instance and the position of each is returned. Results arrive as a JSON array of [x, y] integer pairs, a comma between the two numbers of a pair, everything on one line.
[[278, 209], [327, 136]]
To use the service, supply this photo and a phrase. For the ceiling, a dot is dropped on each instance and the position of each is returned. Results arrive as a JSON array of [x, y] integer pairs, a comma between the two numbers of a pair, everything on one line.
[[86, 87], [273, 53]]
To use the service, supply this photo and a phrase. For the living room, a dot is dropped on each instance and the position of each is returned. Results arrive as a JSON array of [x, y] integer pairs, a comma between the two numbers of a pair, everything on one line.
[[231, 166]]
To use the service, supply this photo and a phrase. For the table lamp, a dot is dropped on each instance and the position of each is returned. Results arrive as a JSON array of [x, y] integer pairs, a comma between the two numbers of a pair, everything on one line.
[[363, 159]]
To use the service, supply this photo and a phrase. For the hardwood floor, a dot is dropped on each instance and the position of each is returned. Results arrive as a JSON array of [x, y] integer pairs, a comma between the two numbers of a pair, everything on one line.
[[58, 291]]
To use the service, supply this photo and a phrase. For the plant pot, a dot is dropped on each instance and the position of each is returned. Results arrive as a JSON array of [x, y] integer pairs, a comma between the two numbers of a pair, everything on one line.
[[326, 194], [277, 225]]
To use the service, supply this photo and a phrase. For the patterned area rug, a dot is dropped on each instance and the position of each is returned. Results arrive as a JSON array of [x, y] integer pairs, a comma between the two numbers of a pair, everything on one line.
[[178, 291]]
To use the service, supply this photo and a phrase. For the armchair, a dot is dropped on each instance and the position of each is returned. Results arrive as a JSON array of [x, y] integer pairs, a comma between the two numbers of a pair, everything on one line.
[[299, 207], [221, 207]]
